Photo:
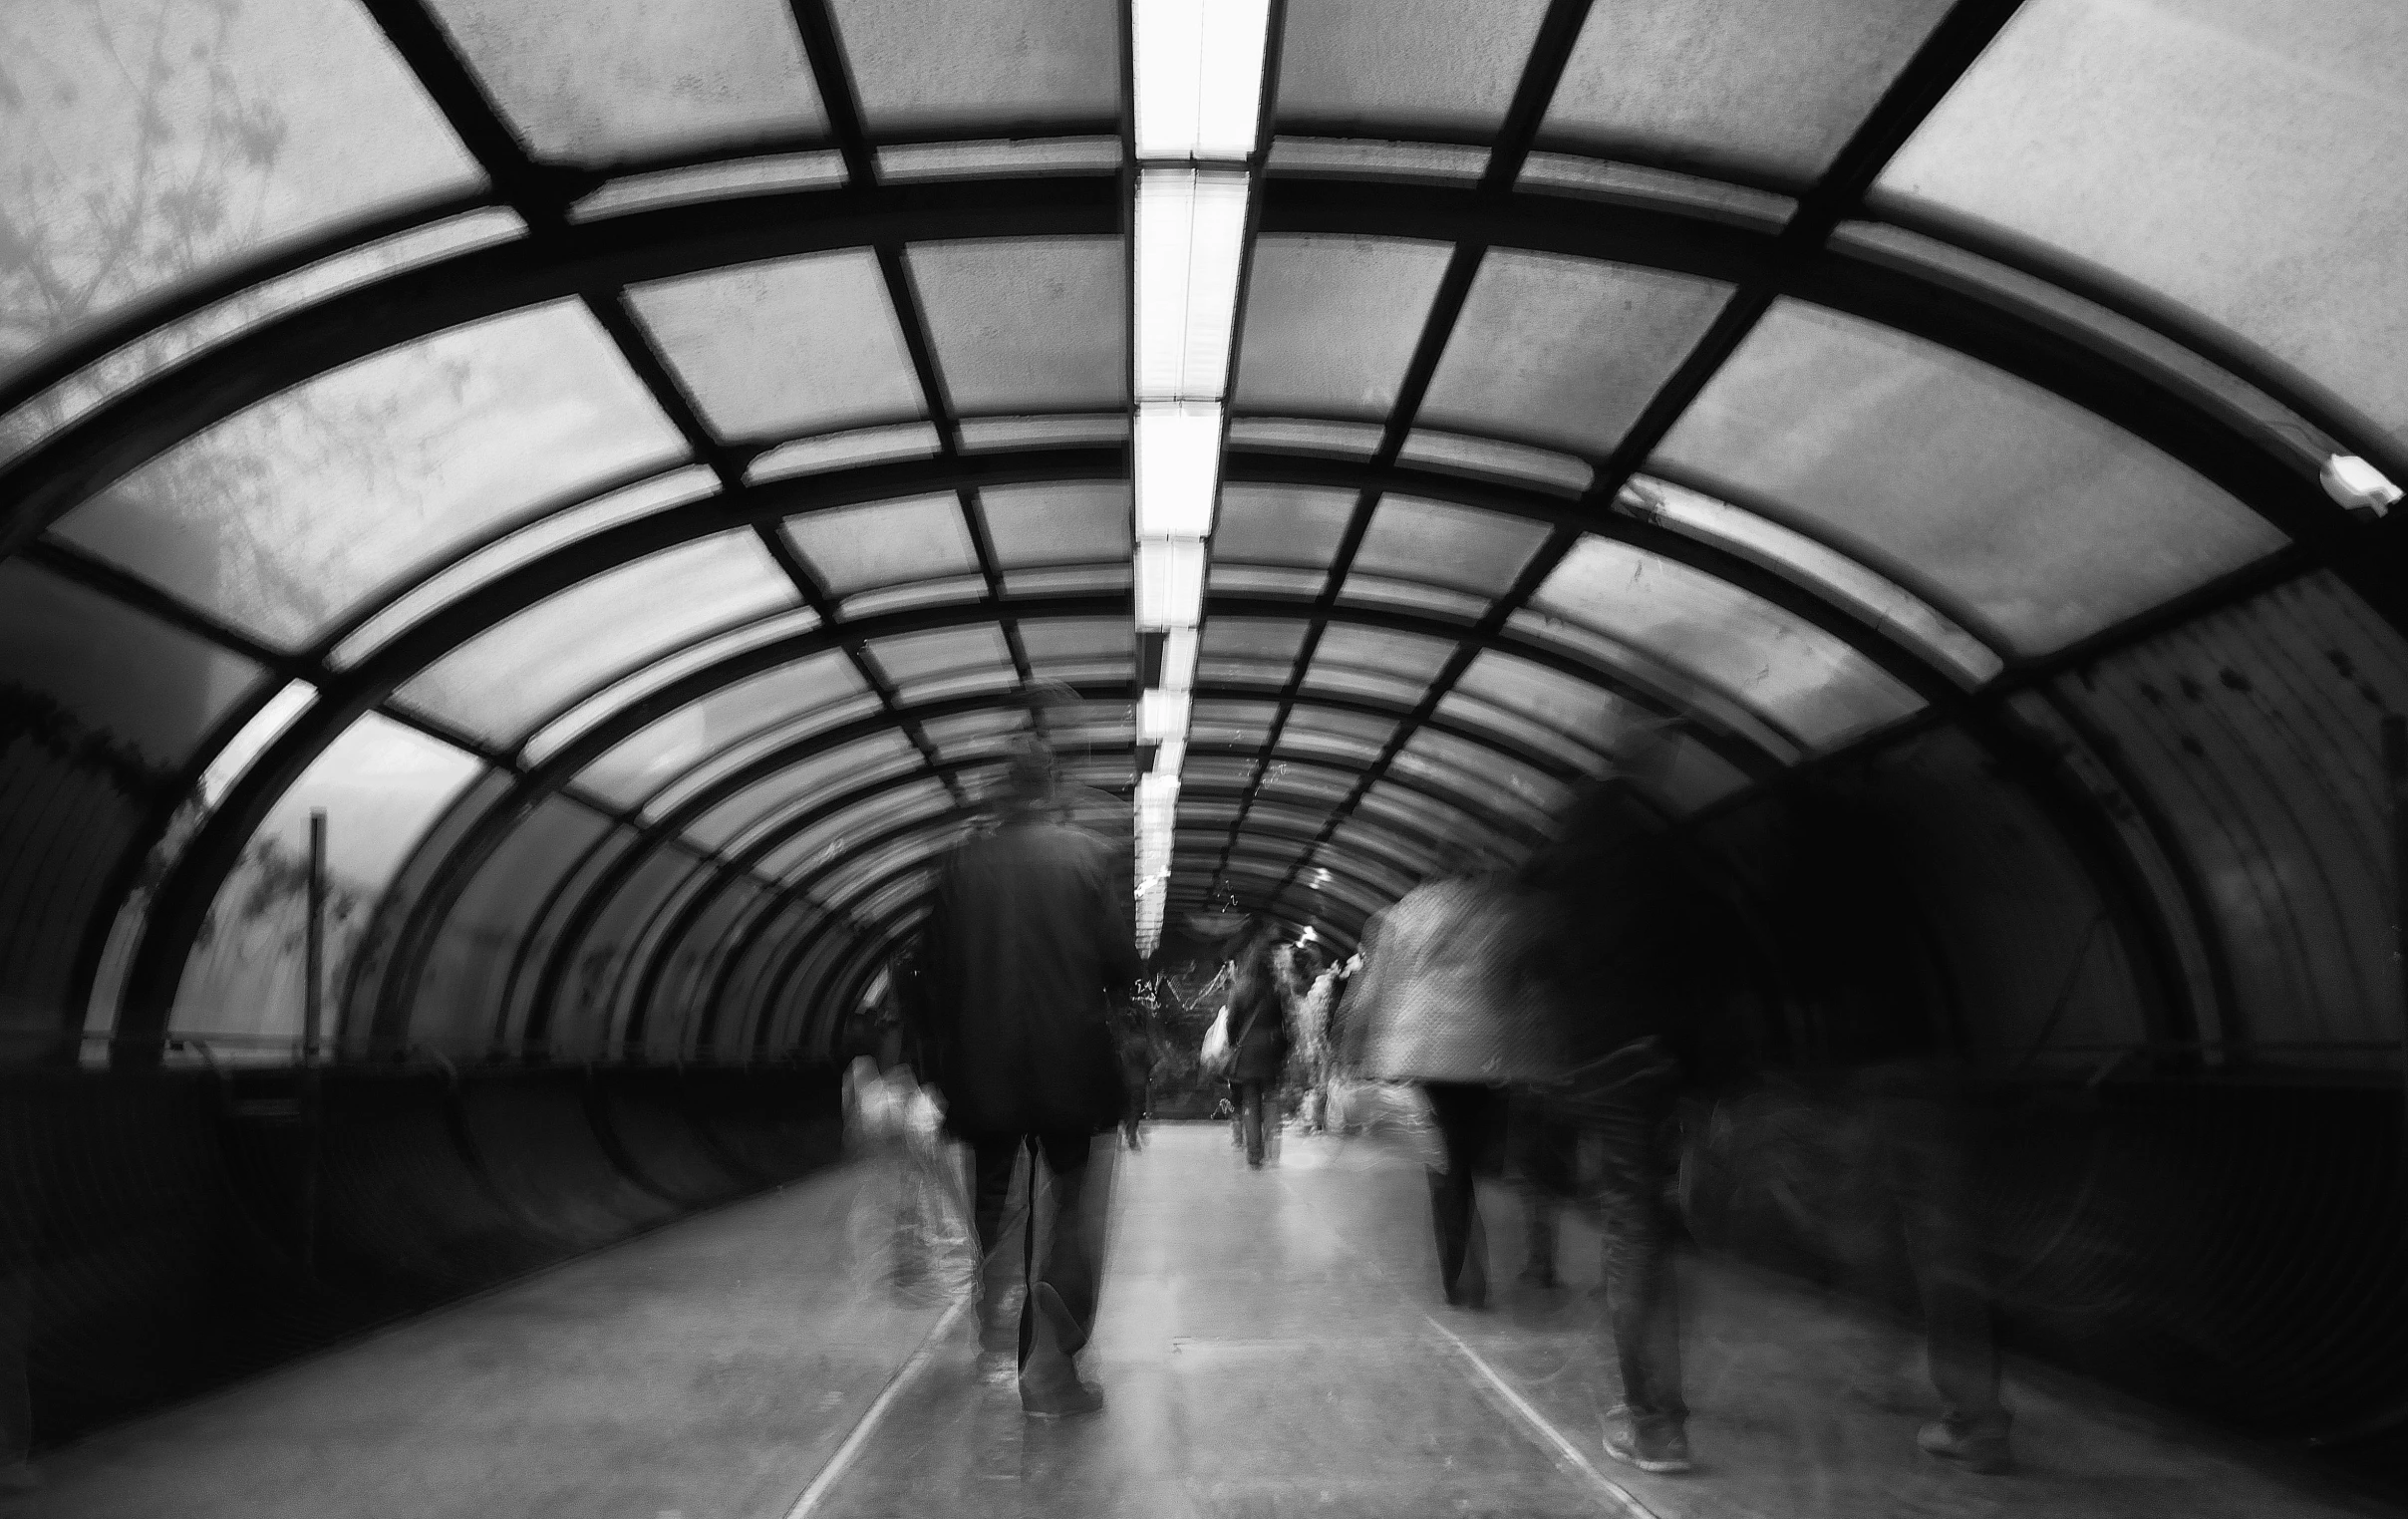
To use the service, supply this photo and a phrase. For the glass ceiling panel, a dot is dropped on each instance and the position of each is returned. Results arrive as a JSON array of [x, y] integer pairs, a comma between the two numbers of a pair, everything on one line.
[[1056, 639], [1247, 648], [172, 142], [914, 656], [1281, 524], [1565, 351], [2251, 170], [952, 64], [830, 836], [790, 734], [286, 515], [1590, 715], [146, 690], [1058, 524], [799, 344], [1767, 543], [1308, 782], [625, 77], [1766, 86], [1532, 734], [1376, 662], [855, 548], [1811, 683], [652, 678], [2039, 521], [1430, 66], [1231, 723], [1222, 579], [1510, 789], [1688, 776], [849, 765], [1496, 459], [524, 546], [630, 771], [1332, 322], [1456, 546], [1027, 324], [1360, 734], [856, 873], [518, 671], [1422, 815], [844, 451]]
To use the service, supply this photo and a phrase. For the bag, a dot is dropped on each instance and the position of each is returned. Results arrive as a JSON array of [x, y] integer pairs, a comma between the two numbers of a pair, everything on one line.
[[1216, 1056], [910, 1230]]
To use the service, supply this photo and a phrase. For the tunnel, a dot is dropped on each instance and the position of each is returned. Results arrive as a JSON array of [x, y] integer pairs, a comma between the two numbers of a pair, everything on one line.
[[529, 531]]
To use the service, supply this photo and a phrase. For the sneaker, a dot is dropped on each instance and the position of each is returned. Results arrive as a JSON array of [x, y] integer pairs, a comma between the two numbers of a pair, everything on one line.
[[1049, 1384], [1978, 1444], [1651, 1443]]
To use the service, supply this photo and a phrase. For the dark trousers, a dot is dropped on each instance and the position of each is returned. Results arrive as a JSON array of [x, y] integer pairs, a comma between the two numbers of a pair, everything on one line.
[[1924, 1153], [1471, 1123], [1625, 1101], [1067, 1207], [1251, 1098]]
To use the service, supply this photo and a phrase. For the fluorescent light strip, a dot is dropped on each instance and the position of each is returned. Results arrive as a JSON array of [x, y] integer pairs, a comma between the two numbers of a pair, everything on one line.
[[1199, 76], [1179, 660], [1178, 467], [1191, 233], [1161, 716], [1170, 582]]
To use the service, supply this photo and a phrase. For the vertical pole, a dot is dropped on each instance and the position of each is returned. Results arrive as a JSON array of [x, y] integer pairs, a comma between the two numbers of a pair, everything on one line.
[[313, 995], [2395, 770]]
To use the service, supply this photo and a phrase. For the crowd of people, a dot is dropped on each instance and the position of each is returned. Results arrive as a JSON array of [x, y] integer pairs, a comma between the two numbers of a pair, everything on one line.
[[1550, 1015]]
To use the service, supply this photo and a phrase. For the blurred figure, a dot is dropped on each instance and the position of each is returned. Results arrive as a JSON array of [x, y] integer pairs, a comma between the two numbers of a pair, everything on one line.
[[1139, 1039], [1313, 1024], [1028, 947], [1450, 997], [1623, 947], [1259, 1036]]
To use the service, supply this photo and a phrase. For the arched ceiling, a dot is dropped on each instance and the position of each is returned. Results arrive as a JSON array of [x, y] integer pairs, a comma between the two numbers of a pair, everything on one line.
[[502, 433]]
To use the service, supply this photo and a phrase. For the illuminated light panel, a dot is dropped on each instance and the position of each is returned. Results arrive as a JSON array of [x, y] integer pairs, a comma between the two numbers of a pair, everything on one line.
[[1191, 233], [1199, 76], [1172, 756], [1178, 468], [1162, 716], [1179, 660], [1170, 582]]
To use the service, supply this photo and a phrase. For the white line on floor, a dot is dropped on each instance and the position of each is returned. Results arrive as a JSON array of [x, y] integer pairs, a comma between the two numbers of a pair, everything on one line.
[[1620, 1497], [834, 1472]]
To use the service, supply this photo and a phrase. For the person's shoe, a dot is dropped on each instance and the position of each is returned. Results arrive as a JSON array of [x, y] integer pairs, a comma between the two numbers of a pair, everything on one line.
[[1978, 1444], [1651, 1443], [1049, 1384]]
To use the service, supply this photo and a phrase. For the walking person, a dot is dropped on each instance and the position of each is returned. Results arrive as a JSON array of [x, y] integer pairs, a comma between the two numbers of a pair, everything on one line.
[[1028, 948], [1259, 1037]]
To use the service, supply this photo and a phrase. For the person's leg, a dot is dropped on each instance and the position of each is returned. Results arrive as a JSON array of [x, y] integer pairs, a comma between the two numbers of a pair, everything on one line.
[[1067, 1286], [1543, 1149], [1627, 1109], [1250, 1110], [1001, 1289], [1462, 1113]]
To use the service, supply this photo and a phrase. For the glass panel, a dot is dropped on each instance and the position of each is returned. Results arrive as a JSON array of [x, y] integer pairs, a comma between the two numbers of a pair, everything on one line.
[[1281, 524], [1766, 86], [844, 451], [913, 656], [1027, 322], [943, 63], [997, 158], [970, 728], [655, 677], [1644, 672], [824, 841], [1813, 684], [524, 546], [1058, 524], [713, 181], [856, 547], [79, 670], [1431, 65], [1292, 434], [1450, 545], [1907, 615], [1634, 184], [1373, 662], [918, 593], [2042, 522], [460, 996], [379, 785], [1264, 580], [796, 345], [857, 874], [1362, 158], [1505, 787], [981, 434], [623, 80], [1566, 351], [1528, 733], [1343, 737], [172, 142], [815, 729], [1332, 322], [2248, 172], [842, 767], [1078, 637], [1086, 579], [820, 686], [1691, 775], [521, 670], [281, 517], [1420, 816], [1496, 459], [1231, 723], [1308, 782]]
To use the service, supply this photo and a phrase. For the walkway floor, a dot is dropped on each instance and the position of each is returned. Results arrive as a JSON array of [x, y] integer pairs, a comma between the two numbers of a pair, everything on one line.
[[1270, 1346]]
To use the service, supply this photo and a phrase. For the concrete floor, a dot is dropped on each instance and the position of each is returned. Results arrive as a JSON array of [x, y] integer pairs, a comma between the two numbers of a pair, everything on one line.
[[1271, 1343]]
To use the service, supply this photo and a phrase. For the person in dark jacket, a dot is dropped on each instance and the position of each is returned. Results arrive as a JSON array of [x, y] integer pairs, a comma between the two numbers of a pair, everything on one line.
[[1028, 949], [1259, 1036]]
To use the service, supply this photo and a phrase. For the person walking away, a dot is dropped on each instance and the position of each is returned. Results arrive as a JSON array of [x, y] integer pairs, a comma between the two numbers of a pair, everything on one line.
[[1449, 997], [1028, 946], [1259, 1036]]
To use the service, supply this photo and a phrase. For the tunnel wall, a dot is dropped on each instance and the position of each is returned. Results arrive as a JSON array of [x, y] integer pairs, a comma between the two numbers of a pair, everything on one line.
[[151, 1224]]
